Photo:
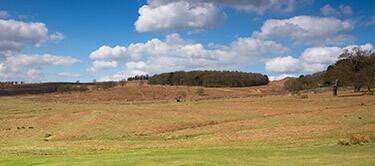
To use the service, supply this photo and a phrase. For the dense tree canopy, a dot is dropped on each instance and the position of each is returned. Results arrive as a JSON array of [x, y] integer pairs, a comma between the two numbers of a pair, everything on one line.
[[210, 79], [355, 67]]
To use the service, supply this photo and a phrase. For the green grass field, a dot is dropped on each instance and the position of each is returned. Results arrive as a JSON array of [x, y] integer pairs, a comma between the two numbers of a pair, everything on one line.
[[270, 130]]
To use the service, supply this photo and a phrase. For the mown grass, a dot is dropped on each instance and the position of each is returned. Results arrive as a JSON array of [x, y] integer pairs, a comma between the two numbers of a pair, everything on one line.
[[237, 155], [270, 130]]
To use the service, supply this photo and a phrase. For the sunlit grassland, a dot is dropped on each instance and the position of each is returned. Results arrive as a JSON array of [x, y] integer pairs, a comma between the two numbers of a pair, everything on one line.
[[270, 130]]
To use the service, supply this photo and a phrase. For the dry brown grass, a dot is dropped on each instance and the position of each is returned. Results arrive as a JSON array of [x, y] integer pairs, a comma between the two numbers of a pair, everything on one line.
[[98, 122], [133, 91]]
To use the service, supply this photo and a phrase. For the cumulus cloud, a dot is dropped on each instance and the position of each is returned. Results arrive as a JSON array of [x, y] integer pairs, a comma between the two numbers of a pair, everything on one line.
[[38, 60], [106, 52], [171, 15], [100, 65], [325, 55], [283, 64], [175, 53], [29, 67], [15, 35], [258, 6], [328, 10], [311, 60], [178, 15], [307, 30]]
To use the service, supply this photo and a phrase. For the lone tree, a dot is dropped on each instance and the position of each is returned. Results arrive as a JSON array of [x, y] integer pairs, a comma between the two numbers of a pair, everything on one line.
[[355, 67]]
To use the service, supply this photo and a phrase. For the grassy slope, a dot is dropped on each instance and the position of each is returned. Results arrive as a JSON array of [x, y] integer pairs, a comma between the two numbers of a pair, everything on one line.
[[272, 130]]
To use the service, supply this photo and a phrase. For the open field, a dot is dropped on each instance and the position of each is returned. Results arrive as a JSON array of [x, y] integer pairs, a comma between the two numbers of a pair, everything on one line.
[[247, 130], [134, 91]]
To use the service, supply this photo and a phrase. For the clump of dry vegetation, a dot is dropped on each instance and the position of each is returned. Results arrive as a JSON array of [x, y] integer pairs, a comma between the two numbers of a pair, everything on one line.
[[356, 140], [181, 96], [105, 85], [71, 88], [200, 92]]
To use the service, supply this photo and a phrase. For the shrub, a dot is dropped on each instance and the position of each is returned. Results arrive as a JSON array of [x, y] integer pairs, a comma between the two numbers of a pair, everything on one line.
[[200, 92], [356, 140], [180, 96], [123, 82], [343, 142]]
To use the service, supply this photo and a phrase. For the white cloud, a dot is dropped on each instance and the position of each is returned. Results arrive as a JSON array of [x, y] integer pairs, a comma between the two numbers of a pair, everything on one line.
[[133, 69], [258, 6], [171, 15], [178, 15], [3, 14], [281, 76], [15, 35], [312, 60], [307, 30], [326, 55], [366, 46], [175, 53], [40, 60], [100, 65], [24, 67], [64, 74], [283, 64], [106, 52], [328, 10]]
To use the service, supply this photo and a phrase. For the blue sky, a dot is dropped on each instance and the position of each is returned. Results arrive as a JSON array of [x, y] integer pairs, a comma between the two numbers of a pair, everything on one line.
[[111, 40]]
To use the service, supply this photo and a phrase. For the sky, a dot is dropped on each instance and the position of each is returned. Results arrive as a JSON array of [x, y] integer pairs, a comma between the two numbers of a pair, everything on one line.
[[86, 40]]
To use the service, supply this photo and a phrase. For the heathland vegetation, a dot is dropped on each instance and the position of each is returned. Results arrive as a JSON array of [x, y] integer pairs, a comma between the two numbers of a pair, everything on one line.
[[255, 130]]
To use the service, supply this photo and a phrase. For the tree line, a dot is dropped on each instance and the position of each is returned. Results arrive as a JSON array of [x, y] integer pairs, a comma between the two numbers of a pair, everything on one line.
[[139, 77], [210, 79], [355, 67]]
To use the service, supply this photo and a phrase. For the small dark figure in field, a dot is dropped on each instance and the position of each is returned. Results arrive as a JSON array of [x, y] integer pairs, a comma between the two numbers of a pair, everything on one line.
[[335, 87]]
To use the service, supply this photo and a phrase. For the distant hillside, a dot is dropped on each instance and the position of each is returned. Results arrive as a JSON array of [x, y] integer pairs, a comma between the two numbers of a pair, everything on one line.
[[210, 79], [37, 88], [141, 91]]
